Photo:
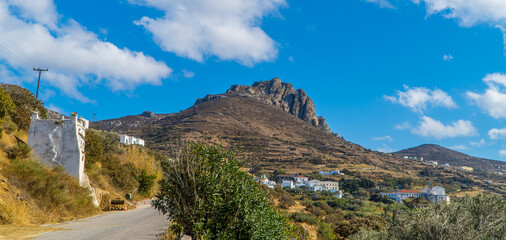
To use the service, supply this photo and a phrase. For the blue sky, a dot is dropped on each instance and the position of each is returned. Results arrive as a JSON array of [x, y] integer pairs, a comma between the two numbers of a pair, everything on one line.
[[385, 74]]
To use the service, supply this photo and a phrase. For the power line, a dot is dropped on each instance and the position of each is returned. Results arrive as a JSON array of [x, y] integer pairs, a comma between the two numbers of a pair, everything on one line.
[[40, 71], [11, 51]]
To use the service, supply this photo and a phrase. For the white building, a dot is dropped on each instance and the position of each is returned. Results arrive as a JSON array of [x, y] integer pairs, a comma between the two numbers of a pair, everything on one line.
[[270, 184], [61, 143], [299, 179], [127, 140], [330, 186], [288, 184], [402, 194], [434, 194], [311, 184], [333, 172]]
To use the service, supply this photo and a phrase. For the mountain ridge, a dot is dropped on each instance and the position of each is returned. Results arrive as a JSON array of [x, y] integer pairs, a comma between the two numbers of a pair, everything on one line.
[[434, 152], [278, 94]]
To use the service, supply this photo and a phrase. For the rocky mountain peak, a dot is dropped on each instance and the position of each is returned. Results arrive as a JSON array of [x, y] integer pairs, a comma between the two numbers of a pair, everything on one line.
[[278, 94], [148, 114]]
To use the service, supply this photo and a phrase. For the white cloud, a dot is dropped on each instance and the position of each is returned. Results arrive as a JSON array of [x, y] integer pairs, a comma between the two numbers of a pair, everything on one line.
[[495, 133], [385, 149], [478, 144], [384, 138], [382, 3], [468, 12], [41, 11], [448, 57], [33, 36], [459, 147], [502, 152], [493, 101], [228, 29], [417, 98], [188, 74], [46, 94], [402, 126], [433, 128]]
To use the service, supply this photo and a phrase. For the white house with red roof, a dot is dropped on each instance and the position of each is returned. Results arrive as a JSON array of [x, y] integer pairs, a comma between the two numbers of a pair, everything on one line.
[[434, 194]]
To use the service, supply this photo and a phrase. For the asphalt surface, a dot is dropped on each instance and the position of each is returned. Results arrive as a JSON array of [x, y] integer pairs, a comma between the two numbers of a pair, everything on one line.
[[142, 223]]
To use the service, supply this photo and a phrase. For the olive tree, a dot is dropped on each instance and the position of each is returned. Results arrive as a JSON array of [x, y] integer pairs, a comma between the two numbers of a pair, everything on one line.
[[209, 197], [480, 217]]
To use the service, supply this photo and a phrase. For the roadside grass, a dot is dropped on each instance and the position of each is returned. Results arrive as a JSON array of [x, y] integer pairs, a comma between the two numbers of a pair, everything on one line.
[[58, 195], [13, 211], [23, 232]]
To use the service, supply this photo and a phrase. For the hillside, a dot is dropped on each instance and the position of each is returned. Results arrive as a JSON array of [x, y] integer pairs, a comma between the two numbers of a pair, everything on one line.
[[268, 135], [432, 152], [32, 193], [271, 134]]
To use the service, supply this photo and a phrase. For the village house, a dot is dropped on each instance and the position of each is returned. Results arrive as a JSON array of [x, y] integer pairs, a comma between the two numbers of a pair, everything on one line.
[[330, 186], [433, 162], [270, 184], [434, 194], [128, 140], [297, 178], [288, 184], [311, 185], [333, 172]]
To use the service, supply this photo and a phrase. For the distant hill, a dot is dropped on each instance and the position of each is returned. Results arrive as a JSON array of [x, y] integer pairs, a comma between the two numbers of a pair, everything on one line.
[[433, 152], [275, 127], [270, 123]]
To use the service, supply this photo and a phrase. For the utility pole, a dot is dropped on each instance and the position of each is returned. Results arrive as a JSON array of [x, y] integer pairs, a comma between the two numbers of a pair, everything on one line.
[[38, 83]]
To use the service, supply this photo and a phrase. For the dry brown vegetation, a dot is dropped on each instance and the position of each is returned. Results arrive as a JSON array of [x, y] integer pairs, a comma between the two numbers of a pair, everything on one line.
[[119, 169]]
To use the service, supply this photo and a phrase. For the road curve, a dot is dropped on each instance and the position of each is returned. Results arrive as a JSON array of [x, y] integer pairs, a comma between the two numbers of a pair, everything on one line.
[[142, 223]]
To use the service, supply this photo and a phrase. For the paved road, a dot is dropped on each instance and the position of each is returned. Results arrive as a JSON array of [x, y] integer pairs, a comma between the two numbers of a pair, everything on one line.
[[141, 223]]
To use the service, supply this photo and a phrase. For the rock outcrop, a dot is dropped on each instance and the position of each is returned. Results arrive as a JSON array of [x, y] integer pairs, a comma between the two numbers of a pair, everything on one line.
[[278, 94]]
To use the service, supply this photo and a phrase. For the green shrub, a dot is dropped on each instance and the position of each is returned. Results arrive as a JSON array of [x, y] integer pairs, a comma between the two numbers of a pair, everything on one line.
[[369, 235], [356, 224], [382, 199], [94, 151], [325, 231], [304, 217], [205, 192], [8, 125], [146, 183], [6, 104], [20, 150], [480, 217], [122, 175], [24, 104], [286, 201]]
